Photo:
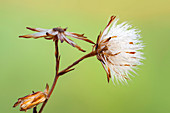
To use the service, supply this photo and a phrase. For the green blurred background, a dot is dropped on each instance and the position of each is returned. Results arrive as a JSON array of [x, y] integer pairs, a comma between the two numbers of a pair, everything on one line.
[[28, 64]]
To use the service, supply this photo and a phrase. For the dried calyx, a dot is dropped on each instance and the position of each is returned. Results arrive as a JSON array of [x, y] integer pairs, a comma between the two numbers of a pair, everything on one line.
[[32, 100], [58, 32]]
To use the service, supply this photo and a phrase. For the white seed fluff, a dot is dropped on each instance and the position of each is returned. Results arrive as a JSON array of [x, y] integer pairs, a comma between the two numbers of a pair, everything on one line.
[[125, 49]]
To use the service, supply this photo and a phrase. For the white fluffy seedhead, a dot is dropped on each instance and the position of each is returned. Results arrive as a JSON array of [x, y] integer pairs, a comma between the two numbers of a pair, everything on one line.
[[119, 50]]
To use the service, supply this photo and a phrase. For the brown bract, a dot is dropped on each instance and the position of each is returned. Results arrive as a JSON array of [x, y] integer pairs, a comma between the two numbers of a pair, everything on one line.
[[101, 49], [32, 100], [58, 32]]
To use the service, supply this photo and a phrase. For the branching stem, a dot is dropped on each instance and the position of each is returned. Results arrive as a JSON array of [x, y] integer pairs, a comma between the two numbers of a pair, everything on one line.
[[57, 75], [93, 53]]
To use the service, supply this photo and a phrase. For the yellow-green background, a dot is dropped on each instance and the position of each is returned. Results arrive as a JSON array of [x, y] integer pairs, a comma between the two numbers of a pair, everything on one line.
[[28, 64]]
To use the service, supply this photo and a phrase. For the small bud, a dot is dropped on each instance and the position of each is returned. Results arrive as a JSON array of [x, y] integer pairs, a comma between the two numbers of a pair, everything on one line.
[[32, 100]]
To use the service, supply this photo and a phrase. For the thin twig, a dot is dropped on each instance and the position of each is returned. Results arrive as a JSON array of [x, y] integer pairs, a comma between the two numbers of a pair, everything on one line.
[[93, 53], [56, 75]]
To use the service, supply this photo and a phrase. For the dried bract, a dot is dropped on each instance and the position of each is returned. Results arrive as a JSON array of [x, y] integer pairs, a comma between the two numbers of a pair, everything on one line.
[[117, 49], [59, 33], [32, 100]]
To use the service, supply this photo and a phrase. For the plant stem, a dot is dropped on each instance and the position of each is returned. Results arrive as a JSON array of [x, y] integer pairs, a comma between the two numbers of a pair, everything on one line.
[[56, 75], [93, 53]]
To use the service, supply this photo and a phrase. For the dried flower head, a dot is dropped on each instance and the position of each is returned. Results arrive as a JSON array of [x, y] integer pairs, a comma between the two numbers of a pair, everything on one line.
[[59, 33], [117, 49], [32, 100]]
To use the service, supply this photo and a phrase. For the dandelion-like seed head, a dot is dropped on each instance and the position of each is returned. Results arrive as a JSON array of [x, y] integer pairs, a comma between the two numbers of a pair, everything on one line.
[[118, 49]]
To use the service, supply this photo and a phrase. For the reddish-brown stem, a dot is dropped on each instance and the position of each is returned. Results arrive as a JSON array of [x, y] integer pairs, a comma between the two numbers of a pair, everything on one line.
[[52, 88], [93, 53], [56, 75]]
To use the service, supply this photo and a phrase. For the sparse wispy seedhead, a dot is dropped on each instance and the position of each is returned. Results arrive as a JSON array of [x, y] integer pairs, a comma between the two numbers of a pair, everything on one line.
[[118, 49], [58, 32]]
